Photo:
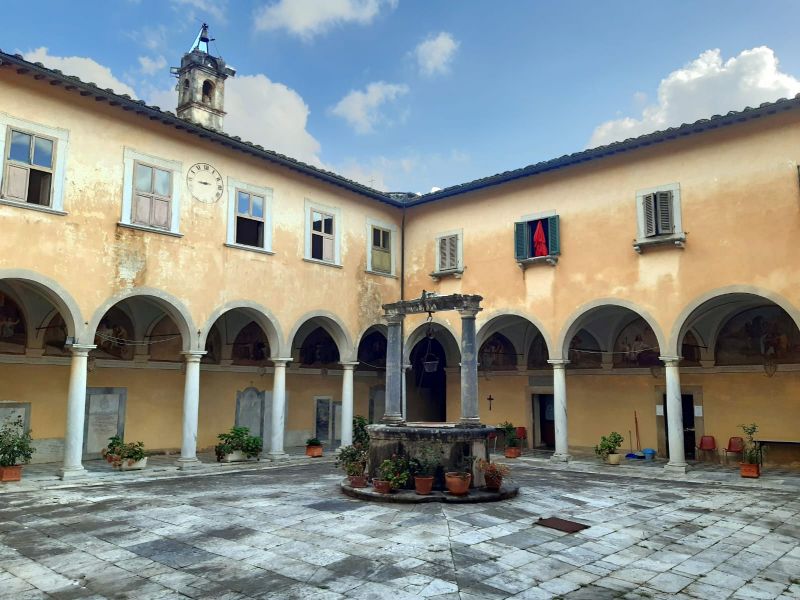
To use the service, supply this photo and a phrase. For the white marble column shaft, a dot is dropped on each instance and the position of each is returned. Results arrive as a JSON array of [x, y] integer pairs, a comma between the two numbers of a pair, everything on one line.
[[76, 412], [561, 453], [191, 408], [677, 457], [276, 451], [347, 403]]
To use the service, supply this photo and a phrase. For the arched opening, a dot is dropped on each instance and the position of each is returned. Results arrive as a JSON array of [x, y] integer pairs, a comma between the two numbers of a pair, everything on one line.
[[208, 92], [497, 353], [584, 351], [318, 350], [432, 352], [636, 346], [185, 91], [135, 382], [745, 368], [372, 361], [13, 329]]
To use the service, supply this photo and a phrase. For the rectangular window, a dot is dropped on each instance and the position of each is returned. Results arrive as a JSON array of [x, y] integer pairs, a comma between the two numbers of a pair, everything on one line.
[[249, 219], [537, 237], [152, 196], [29, 168], [448, 253], [381, 250], [322, 236], [657, 209]]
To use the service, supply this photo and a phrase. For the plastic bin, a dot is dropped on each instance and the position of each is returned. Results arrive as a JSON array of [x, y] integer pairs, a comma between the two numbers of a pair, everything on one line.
[[649, 453]]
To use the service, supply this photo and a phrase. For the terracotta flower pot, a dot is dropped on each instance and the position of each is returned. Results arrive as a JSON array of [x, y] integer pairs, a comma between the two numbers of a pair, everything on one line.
[[423, 484], [613, 459], [514, 452], [11, 473], [357, 481], [381, 486], [457, 483], [750, 470], [493, 481], [314, 451]]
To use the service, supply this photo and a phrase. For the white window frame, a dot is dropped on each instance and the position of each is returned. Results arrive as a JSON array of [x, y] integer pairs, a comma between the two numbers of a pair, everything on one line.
[[393, 246], [336, 213], [61, 139], [235, 186], [550, 259], [677, 237], [459, 270], [130, 157]]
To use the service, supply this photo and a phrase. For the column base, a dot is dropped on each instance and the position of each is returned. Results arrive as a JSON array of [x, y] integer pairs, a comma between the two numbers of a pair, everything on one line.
[[71, 472], [276, 456], [677, 468], [393, 420], [561, 458], [470, 422], [187, 463]]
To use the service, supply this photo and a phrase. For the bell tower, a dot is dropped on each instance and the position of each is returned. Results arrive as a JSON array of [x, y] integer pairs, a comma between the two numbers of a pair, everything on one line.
[[201, 84]]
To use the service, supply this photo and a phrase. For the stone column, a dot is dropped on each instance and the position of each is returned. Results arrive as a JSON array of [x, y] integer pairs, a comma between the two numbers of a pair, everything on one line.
[[347, 403], [76, 412], [404, 375], [560, 410], [276, 451], [677, 458], [393, 414], [191, 407], [469, 369]]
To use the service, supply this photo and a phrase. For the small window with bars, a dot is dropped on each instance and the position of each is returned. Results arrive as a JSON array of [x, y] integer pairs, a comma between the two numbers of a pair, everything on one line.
[[152, 196], [29, 168], [658, 211], [537, 238], [381, 250], [448, 253], [322, 236], [249, 219]]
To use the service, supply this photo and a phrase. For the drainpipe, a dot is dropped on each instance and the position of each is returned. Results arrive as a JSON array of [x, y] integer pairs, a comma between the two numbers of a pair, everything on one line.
[[402, 296]]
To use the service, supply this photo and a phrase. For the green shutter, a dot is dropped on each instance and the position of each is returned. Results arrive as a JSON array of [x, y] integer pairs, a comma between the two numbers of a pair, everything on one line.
[[553, 236], [649, 213], [664, 212], [521, 244]]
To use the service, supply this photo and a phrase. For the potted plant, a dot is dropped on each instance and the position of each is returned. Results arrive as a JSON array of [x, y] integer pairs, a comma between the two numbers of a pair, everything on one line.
[[313, 447], [353, 460], [360, 432], [493, 473], [16, 449], [394, 474], [608, 446], [130, 457], [111, 450], [423, 467], [238, 445], [512, 445], [750, 466], [458, 482]]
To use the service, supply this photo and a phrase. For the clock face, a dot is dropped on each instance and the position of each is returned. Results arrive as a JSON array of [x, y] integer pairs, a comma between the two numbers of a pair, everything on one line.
[[205, 183]]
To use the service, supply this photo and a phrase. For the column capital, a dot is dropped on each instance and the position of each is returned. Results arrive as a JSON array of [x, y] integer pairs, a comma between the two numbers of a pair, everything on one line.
[[670, 361], [81, 349], [469, 313], [193, 355], [394, 318], [281, 362], [558, 363], [349, 366]]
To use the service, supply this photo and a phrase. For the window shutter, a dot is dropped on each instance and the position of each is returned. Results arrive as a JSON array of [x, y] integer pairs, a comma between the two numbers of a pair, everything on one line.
[[141, 209], [160, 214], [452, 252], [442, 254], [327, 249], [553, 236], [16, 183], [649, 212], [664, 203], [521, 244]]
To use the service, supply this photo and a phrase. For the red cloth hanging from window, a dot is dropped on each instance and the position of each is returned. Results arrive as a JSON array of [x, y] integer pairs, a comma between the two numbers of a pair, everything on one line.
[[539, 241]]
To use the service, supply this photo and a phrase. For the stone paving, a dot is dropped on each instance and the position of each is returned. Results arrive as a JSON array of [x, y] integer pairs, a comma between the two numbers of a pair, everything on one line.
[[287, 532]]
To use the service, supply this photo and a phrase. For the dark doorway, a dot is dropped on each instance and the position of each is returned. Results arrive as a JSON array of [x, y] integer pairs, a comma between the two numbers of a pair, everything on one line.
[[689, 442], [426, 388], [547, 428]]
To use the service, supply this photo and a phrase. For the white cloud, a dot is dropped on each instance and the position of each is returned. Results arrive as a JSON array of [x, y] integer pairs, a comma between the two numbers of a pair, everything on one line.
[[216, 9], [263, 112], [435, 54], [361, 109], [151, 66], [307, 18], [85, 68], [705, 87]]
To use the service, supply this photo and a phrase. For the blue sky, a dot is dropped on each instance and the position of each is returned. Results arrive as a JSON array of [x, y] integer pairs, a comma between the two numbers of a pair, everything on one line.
[[407, 95]]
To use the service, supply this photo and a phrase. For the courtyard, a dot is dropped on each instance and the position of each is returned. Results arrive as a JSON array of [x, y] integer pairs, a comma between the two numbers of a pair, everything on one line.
[[288, 532]]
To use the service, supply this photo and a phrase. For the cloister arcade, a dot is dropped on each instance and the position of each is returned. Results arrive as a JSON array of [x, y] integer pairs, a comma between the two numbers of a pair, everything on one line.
[[140, 364]]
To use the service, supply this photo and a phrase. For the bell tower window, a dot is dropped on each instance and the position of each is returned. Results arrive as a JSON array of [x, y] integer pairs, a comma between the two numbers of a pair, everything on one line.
[[208, 92]]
